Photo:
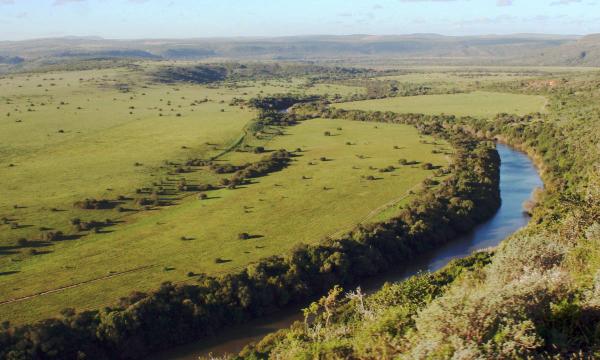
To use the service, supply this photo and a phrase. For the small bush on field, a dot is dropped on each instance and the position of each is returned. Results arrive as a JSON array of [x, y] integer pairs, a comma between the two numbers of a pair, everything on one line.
[[93, 204], [52, 235]]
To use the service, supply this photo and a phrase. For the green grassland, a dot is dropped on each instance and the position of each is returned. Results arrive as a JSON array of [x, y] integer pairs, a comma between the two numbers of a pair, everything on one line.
[[457, 76], [478, 103], [73, 135], [302, 203], [67, 136]]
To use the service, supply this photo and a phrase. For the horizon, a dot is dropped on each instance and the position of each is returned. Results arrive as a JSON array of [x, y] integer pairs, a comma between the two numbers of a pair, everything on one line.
[[249, 37], [186, 19]]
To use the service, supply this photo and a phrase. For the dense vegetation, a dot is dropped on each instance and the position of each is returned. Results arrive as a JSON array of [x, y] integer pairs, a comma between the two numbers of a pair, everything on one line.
[[539, 295], [209, 73], [175, 314]]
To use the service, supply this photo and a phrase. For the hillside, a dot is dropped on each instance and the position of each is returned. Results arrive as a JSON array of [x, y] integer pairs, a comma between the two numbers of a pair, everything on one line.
[[519, 49]]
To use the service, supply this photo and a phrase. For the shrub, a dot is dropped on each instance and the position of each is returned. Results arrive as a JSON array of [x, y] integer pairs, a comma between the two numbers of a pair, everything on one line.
[[93, 204], [145, 201], [52, 235]]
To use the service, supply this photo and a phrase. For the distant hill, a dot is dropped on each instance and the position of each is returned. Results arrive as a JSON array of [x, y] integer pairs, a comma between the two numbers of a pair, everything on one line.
[[11, 60], [518, 49], [582, 52]]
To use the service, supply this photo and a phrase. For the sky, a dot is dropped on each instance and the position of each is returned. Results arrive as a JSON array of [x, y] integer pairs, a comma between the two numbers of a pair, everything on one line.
[[135, 19]]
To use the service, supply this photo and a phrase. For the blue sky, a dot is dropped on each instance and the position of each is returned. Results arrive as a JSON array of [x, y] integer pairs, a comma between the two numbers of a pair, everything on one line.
[[25, 19]]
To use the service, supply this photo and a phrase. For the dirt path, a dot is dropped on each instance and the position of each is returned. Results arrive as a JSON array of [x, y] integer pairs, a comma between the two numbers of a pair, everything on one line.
[[14, 300], [374, 213]]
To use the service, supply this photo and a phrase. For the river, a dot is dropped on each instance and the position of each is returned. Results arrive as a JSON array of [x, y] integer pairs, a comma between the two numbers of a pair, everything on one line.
[[518, 179]]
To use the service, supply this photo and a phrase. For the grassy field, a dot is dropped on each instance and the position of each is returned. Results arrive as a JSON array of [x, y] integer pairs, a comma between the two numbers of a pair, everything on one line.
[[456, 76], [479, 103], [103, 134], [67, 136], [100, 134], [302, 203]]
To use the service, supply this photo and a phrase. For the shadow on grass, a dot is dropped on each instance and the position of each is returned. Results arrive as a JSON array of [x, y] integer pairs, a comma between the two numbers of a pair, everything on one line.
[[69, 237], [2, 273], [222, 261]]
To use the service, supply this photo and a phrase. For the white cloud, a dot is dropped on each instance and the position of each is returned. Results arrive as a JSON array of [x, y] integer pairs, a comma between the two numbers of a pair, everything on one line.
[[504, 2], [63, 2], [564, 2]]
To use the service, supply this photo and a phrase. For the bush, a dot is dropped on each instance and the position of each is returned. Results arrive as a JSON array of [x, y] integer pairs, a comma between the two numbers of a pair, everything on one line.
[[93, 204], [52, 236]]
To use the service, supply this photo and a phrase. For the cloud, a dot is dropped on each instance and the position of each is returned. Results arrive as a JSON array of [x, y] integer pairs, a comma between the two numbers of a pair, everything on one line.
[[504, 2], [7, 2], [64, 2], [564, 2], [485, 20]]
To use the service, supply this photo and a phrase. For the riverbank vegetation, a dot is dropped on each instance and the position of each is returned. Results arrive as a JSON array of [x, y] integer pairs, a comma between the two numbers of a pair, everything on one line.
[[537, 297]]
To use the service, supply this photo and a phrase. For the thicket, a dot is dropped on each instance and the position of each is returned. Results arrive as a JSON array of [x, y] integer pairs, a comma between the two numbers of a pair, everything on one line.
[[210, 73]]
